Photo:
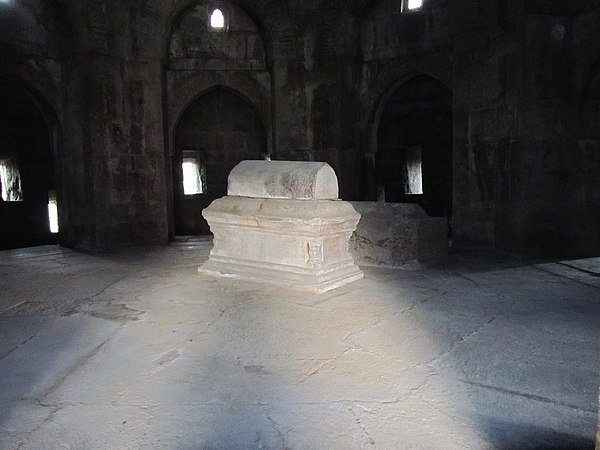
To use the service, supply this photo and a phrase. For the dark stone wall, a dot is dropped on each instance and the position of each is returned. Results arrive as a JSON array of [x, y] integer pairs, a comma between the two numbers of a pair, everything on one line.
[[30, 27], [113, 132], [584, 132], [315, 80], [113, 79], [526, 177], [95, 69], [487, 83]]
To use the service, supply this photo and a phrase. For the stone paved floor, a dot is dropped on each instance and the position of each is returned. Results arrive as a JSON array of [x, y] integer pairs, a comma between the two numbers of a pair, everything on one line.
[[135, 350]]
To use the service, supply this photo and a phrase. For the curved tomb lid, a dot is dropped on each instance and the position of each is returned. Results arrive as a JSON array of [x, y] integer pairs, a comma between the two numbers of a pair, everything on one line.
[[301, 180]]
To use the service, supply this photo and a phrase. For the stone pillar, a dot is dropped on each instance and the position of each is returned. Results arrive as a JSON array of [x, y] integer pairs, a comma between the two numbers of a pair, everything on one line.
[[115, 138], [315, 79]]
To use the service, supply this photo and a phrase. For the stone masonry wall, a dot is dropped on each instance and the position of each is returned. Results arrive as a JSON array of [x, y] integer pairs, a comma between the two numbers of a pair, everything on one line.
[[115, 77], [113, 87], [315, 79], [526, 184]]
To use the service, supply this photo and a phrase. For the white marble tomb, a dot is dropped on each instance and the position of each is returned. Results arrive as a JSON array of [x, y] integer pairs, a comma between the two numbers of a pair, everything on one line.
[[282, 223]]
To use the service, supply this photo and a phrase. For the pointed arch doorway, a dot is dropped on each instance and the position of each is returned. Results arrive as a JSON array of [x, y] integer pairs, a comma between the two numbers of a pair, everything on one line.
[[217, 130], [28, 198], [414, 146]]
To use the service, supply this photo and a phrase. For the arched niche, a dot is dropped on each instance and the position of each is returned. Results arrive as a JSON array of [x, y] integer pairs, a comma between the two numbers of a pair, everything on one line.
[[412, 161], [217, 130], [199, 58], [28, 176], [195, 44]]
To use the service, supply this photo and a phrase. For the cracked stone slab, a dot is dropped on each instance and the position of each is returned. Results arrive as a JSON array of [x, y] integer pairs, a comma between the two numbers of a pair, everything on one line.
[[58, 347], [478, 353]]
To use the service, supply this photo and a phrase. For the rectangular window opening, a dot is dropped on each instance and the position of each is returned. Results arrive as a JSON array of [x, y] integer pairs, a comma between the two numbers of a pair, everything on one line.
[[10, 181], [409, 6], [413, 183], [194, 175], [52, 212]]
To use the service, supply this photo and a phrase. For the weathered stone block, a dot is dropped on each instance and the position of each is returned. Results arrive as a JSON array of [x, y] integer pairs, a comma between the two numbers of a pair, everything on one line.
[[283, 179], [397, 234], [281, 224]]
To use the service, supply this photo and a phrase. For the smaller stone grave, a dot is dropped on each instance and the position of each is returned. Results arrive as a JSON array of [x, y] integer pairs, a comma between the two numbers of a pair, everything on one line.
[[397, 235]]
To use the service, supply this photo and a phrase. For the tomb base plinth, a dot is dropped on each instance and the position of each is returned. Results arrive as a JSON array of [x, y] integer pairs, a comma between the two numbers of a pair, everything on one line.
[[289, 242]]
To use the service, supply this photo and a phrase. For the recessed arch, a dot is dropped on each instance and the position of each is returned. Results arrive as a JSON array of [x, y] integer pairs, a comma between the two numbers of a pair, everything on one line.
[[29, 134], [198, 68], [411, 140], [197, 83], [390, 81], [247, 9], [218, 129]]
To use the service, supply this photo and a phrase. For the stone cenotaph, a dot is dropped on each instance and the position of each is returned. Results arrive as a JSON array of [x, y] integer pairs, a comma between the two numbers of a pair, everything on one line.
[[282, 223]]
